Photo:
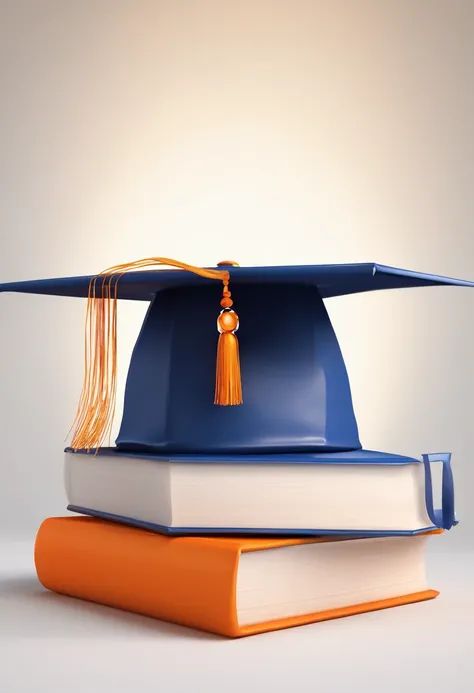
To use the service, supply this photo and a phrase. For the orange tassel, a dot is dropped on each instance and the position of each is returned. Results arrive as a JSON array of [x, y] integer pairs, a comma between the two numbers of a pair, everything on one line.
[[95, 411], [228, 380]]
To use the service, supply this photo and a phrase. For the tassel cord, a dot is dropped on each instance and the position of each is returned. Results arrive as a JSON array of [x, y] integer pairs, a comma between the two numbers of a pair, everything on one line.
[[97, 402]]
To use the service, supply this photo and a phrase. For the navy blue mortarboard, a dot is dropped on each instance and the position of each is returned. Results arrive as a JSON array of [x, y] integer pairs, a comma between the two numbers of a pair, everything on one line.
[[285, 376]]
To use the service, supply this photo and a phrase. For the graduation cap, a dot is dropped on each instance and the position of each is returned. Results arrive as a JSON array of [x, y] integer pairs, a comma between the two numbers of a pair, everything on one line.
[[229, 361]]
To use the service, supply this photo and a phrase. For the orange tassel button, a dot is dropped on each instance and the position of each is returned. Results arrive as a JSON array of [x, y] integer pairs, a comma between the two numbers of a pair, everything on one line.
[[228, 321]]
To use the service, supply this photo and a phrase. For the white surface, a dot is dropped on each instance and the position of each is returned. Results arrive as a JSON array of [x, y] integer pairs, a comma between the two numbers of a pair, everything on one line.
[[53, 644], [298, 580], [344, 497]]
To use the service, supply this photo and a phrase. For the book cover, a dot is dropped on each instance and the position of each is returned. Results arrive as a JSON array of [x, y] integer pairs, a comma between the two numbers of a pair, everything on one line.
[[190, 581]]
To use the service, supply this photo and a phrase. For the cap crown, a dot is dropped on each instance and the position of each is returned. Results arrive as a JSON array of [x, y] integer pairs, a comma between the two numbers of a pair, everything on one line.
[[296, 391]]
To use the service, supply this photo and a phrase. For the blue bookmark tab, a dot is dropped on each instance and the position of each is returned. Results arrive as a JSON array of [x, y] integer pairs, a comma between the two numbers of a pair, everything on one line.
[[443, 517]]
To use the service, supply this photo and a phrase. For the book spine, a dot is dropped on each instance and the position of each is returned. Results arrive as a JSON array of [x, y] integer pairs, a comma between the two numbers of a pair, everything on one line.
[[183, 581]]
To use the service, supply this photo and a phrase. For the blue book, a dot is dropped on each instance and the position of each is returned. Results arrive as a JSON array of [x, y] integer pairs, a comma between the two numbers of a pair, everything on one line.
[[363, 492]]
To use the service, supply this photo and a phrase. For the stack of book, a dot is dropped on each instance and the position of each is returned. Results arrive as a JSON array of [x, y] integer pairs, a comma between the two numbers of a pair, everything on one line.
[[227, 547], [237, 498]]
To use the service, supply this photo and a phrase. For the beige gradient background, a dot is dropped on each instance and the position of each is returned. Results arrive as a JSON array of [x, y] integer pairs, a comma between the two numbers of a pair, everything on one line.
[[270, 132]]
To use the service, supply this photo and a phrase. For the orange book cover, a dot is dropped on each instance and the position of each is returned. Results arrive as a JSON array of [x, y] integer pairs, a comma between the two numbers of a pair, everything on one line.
[[190, 581]]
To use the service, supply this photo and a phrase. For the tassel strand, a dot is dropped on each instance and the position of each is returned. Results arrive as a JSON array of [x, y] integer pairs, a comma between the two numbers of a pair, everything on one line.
[[97, 402]]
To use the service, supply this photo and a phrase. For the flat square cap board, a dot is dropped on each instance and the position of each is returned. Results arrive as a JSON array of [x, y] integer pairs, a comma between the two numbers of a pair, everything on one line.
[[330, 280], [295, 392]]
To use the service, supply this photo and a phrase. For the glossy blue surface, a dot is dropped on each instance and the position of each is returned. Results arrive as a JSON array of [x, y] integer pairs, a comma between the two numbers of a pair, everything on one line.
[[331, 280], [445, 516], [295, 387], [351, 457], [242, 531]]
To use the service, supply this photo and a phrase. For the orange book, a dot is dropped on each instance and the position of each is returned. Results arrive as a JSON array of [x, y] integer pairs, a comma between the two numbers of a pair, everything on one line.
[[229, 586]]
